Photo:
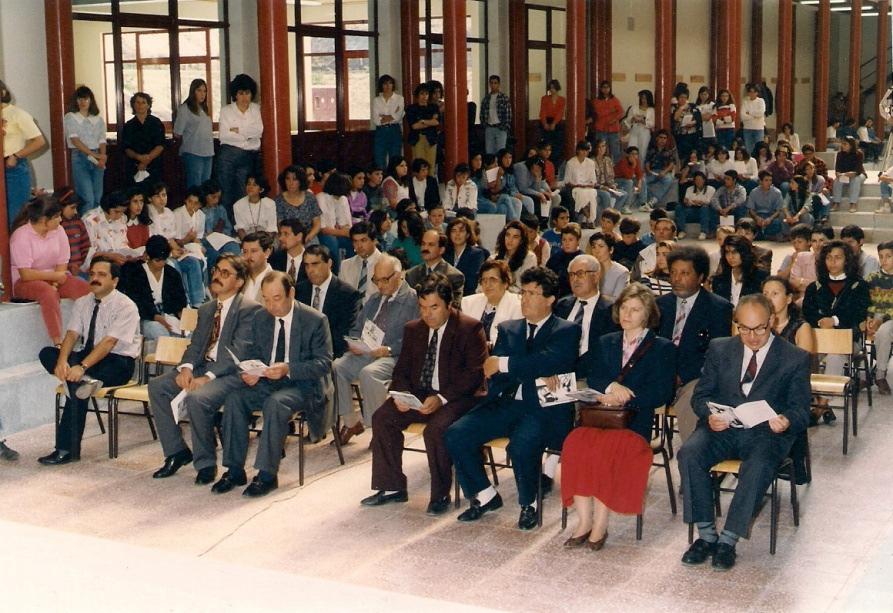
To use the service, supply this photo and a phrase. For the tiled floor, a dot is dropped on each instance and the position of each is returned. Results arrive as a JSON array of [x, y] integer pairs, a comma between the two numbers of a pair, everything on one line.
[[103, 535]]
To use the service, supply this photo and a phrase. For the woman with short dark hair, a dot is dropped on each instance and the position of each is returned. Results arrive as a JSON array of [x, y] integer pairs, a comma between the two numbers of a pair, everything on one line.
[[240, 128], [143, 142]]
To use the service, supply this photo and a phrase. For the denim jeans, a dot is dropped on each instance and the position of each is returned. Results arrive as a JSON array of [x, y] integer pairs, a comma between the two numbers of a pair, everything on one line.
[[486, 207], [233, 166], [658, 187], [854, 189], [773, 229], [18, 188], [388, 143], [509, 206], [630, 199], [725, 137], [751, 138], [212, 255], [613, 140], [88, 178], [152, 330], [198, 168], [886, 190], [494, 139], [190, 269], [704, 214]]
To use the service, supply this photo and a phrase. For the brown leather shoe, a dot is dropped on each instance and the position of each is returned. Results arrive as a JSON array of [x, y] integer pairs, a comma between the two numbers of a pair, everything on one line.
[[597, 545], [883, 387], [348, 433]]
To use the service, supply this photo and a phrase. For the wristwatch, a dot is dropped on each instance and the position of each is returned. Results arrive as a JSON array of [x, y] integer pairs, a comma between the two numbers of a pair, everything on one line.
[[82, 365]]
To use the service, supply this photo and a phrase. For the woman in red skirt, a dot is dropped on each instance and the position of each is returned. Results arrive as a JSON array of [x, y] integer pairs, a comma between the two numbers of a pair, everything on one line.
[[606, 470]]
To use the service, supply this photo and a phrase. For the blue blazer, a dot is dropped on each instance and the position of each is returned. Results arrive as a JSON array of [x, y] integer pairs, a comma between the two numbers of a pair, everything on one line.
[[601, 323], [469, 264]]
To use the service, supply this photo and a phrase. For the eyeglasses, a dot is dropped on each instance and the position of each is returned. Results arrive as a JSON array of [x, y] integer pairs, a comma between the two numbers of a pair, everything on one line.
[[580, 274], [526, 293], [380, 280], [758, 331], [224, 273]]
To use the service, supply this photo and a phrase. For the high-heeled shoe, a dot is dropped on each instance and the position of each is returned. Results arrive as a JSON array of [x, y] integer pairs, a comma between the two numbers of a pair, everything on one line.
[[597, 545], [577, 541]]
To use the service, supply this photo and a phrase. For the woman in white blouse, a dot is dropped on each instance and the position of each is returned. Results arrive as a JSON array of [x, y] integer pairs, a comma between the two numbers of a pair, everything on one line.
[[240, 128], [334, 231], [388, 108], [641, 121], [85, 133], [193, 126], [495, 303]]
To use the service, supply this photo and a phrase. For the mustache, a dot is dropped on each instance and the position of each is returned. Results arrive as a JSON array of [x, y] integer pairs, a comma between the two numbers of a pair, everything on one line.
[[97, 283]]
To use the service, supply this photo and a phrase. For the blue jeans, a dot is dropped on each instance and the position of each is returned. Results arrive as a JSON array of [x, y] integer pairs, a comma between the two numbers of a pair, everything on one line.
[[658, 187], [527, 203], [613, 140], [705, 215], [773, 229], [494, 139], [630, 199], [88, 179], [854, 190], [725, 137], [508, 206], [198, 168], [388, 143], [193, 279], [18, 188], [751, 138], [152, 330], [233, 166], [886, 190], [486, 207], [212, 255]]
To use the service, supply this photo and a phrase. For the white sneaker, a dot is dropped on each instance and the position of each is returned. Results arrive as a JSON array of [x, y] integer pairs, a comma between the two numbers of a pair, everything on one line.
[[680, 235], [645, 208], [884, 208], [626, 211], [702, 236]]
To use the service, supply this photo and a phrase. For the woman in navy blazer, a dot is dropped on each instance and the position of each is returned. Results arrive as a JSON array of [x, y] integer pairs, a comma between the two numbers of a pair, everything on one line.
[[463, 252], [738, 265]]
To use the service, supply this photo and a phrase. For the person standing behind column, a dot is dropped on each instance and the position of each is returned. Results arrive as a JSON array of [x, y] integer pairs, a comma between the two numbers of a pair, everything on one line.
[[552, 117], [388, 108], [496, 115], [193, 128], [241, 128], [85, 134], [421, 117], [21, 138], [753, 116]]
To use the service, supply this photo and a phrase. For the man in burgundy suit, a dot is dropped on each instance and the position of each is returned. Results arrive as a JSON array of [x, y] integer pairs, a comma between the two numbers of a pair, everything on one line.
[[441, 364]]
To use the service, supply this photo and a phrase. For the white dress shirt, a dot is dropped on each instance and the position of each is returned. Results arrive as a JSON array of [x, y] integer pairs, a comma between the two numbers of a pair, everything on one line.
[[587, 320], [249, 123], [761, 357], [287, 319]]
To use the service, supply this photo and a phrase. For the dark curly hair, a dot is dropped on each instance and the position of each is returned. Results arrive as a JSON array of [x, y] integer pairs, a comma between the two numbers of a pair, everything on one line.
[[517, 259], [744, 248], [850, 267]]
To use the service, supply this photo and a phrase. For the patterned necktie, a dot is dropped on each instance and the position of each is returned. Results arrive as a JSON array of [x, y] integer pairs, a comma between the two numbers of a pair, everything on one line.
[[487, 322], [680, 323], [91, 331], [292, 272], [361, 286], [280, 344], [215, 330], [751, 372], [382, 316], [315, 302], [578, 318], [428, 367]]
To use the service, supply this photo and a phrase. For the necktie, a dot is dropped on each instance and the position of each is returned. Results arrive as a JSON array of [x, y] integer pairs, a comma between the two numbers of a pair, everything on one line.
[[530, 333], [280, 344], [487, 322], [578, 318], [315, 302], [680, 323], [361, 286], [751, 372], [91, 331], [428, 367], [382, 316], [292, 272], [215, 330], [511, 390]]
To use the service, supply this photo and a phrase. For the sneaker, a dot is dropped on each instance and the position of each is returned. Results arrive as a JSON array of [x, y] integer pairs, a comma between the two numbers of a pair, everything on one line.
[[645, 208], [626, 211], [835, 207], [680, 235], [854, 208], [702, 236], [884, 208]]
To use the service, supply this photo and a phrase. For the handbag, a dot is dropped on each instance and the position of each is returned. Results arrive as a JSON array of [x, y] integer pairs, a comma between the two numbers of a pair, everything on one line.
[[612, 416]]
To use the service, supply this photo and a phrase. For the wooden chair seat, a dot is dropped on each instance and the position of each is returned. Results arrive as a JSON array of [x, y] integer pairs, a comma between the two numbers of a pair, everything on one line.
[[138, 393], [101, 393], [829, 384]]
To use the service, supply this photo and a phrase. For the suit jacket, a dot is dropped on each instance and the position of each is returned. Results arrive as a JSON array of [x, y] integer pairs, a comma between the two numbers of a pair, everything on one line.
[[722, 284], [461, 353], [432, 194], [652, 377], [469, 264], [236, 333], [279, 261], [508, 308], [850, 307], [403, 309], [709, 318], [415, 275], [309, 350], [135, 285], [351, 268], [782, 381], [601, 323], [341, 307]]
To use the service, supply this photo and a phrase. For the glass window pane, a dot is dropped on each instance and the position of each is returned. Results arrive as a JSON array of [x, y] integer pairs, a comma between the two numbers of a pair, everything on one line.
[[128, 46], [357, 15], [321, 13], [155, 80], [111, 103], [476, 71], [154, 7], [475, 21], [319, 79], [193, 43], [292, 81], [559, 22], [93, 55], [536, 68], [203, 10], [92, 7], [536, 24], [154, 45], [358, 86], [437, 73]]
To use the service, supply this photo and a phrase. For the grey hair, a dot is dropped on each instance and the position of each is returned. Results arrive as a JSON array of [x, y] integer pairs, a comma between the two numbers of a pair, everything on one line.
[[592, 264], [395, 262], [756, 299]]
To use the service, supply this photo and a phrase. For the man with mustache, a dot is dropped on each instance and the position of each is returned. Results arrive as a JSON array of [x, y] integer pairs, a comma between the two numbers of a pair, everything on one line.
[[434, 245], [109, 324], [207, 372]]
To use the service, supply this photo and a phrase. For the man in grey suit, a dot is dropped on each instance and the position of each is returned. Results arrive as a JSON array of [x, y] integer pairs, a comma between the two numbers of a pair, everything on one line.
[[434, 245], [390, 309], [207, 372], [753, 366], [295, 341]]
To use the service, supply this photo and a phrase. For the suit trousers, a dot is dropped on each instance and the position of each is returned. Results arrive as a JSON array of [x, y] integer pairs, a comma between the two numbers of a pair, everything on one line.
[[761, 452], [201, 405], [112, 370], [388, 424], [374, 377], [519, 421], [279, 401]]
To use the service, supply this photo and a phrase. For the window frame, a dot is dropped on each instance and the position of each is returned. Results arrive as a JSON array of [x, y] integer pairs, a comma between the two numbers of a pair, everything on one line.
[[428, 39]]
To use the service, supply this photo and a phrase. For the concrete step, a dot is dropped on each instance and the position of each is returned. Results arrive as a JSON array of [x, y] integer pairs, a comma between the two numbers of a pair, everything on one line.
[[23, 333], [27, 398]]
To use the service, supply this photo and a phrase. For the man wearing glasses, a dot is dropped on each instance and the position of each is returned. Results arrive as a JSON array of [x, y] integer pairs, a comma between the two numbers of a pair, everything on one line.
[[207, 372], [752, 366], [389, 309]]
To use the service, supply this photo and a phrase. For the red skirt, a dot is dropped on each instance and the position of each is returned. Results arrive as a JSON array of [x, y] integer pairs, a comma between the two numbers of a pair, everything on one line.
[[611, 465]]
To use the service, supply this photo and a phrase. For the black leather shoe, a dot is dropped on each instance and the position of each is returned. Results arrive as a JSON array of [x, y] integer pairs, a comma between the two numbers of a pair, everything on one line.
[[227, 482], [548, 483], [698, 553], [477, 510], [260, 487], [527, 520], [438, 507], [379, 498], [829, 417], [206, 475], [724, 557], [173, 463], [57, 458]]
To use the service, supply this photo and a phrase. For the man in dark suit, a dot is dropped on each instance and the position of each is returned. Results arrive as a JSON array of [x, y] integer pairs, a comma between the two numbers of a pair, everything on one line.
[[442, 364], [540, 345], [289, 258], [691, 317], [434, 245], [295, 341], [750, 367], [207, 372]]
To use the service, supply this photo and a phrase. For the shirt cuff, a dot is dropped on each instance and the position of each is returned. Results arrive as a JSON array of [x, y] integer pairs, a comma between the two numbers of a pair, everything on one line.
[[503, 364], [210, 375], [182, 366], [442, 399], [836, 320]]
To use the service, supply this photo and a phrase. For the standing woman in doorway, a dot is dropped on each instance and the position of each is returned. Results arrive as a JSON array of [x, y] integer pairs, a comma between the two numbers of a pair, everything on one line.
[[388, 108], [143, 140], [21, 138], [240, 128], [608, 113], [85, 133], [193, 126], [552, 119]]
